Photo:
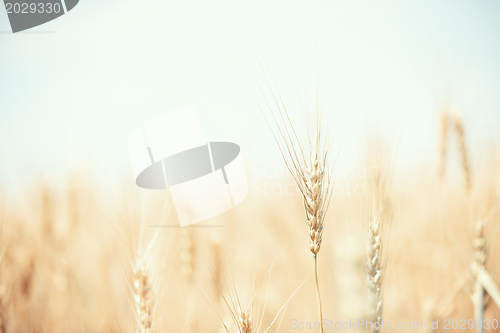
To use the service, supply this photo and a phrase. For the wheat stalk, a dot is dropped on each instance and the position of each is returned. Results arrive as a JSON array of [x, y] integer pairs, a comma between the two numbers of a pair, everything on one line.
[[308, 165], [315, 212], [479, 246], [381, 214], [144, 287], [488, 284], [312, 174]]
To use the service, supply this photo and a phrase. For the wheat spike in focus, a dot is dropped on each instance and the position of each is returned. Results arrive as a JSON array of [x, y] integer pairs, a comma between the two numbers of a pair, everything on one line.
[[313, 209], [311, 174]]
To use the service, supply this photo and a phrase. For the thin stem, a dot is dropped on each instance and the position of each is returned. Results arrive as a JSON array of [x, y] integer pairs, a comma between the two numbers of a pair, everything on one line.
[[478, 264], [479, 305], [317, 293]]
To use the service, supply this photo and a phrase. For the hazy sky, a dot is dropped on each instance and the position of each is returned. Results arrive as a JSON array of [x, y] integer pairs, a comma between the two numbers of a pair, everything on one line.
[[74, 90]]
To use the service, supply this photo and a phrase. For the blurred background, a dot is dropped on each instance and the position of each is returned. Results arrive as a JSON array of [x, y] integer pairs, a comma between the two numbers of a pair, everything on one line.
[[76, 229], [74, 88]]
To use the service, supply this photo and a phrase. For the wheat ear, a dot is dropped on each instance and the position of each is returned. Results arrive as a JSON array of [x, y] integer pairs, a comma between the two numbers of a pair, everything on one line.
[[144, 287], [216, 253], [443, 142], [459, 127], [314, 215], [374, 269], [312, 174], [313, 207], [313, 179], [143, 297], [187, 254], [244, 322], [314, 184], [47, 214]]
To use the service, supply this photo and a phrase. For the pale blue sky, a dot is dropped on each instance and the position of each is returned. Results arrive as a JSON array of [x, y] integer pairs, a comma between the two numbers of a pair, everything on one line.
[[107, 66]]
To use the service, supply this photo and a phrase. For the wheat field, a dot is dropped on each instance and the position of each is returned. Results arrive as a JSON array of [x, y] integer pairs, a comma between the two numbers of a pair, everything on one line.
[[413, 248]]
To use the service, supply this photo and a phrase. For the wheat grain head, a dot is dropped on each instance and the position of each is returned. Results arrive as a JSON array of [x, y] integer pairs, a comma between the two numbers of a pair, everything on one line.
[[143, 297], [459, 128], [443, 141], [374, 271]]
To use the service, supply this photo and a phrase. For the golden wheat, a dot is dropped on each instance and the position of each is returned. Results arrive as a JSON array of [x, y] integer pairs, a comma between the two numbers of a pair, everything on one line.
[[62, 268], [374, 269], [459, 127], [143, 297], [443, 142]]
